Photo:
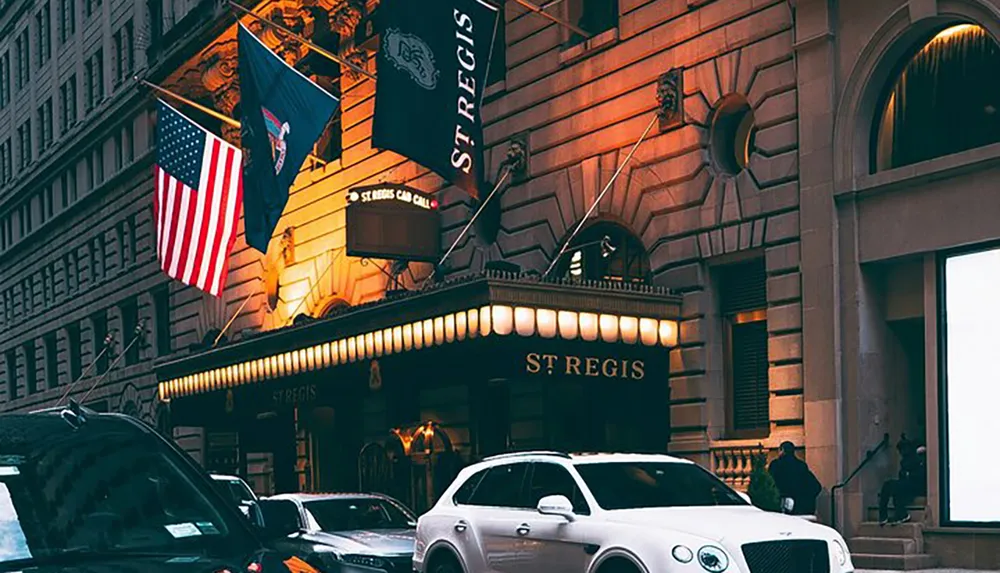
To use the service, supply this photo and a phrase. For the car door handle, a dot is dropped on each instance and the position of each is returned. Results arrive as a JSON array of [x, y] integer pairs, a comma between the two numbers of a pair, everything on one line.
[[523, 529], [461, 525]]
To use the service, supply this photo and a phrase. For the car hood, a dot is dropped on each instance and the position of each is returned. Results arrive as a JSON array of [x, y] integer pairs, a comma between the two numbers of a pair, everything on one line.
[[270, 561], [380, 542], [730, 524]]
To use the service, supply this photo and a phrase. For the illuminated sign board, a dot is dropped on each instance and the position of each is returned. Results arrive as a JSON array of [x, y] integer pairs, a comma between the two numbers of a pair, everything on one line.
[[397, 193], [393, 222]]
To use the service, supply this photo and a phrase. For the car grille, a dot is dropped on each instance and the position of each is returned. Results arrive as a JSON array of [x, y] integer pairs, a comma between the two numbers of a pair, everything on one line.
[[401, 564], [793, 556]]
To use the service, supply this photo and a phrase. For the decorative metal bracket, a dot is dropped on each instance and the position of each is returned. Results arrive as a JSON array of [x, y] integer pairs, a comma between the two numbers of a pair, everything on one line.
[[395, 269], [670, 98]]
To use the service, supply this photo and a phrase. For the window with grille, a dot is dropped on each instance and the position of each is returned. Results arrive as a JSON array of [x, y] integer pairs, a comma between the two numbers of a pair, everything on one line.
[[43, 29], [742, 289], [67, 19], [21, 44], [51, 360], [4, 80], [99, 327], [67, 104], [30, 367], [11, 375], [161, 306], [130, 319], [45, 125], [73, 345], [24, 140], [94, 79]]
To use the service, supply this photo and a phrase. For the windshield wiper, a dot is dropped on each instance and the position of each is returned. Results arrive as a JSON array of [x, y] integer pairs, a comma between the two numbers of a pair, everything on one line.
[[76, 554]]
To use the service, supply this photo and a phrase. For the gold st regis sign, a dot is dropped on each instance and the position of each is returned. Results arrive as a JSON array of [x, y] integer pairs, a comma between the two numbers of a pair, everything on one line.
[[568, 365], [293, 396]]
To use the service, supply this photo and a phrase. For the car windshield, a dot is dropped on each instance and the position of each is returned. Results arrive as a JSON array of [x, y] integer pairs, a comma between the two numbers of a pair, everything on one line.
[[352, 514], [634, 485], [109, 486]]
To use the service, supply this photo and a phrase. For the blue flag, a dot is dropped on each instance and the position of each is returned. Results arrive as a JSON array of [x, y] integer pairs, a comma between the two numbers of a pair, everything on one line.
[[282, 113]]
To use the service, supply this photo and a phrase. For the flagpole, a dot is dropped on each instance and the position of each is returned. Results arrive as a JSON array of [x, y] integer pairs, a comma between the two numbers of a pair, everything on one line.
[[291, 317], [507, 169], [139, 331], [597, 201], [232, 319], [107, 346], [541, 12], [217, 115], [319, 50], [204, 109]]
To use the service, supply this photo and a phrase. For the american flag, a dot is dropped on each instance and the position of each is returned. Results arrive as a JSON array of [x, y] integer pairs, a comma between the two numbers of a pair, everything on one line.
[[199, 191]]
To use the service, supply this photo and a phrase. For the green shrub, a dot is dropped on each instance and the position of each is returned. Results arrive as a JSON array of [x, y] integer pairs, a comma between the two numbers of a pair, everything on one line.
[[762, 490]]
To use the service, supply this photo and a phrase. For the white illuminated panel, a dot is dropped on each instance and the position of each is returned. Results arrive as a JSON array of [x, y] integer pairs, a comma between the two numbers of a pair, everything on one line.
[[972, 386]]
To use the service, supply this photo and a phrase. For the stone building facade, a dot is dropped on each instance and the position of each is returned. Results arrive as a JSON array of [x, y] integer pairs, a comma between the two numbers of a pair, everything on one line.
[[76, 220], [806, 270]]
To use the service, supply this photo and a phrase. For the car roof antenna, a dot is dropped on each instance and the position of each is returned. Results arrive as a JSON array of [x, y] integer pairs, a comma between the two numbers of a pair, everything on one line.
[[74, 415]]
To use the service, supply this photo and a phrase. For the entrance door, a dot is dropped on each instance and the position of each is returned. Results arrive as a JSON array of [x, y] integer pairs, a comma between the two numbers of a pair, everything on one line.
[[270, 451], [909, 403]]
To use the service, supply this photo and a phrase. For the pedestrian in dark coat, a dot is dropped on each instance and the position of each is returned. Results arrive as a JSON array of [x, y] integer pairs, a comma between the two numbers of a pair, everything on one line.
[[795, 481]]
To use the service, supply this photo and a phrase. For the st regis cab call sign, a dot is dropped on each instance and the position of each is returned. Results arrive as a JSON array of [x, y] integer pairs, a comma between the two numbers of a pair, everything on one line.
[[394, 222]]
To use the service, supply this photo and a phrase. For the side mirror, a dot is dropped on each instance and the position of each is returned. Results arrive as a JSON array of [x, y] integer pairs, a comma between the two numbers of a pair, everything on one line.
[[556, 505], [745, 496]]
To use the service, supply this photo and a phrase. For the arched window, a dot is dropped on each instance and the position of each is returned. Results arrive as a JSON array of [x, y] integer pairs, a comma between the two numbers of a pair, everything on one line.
[[946, 99], [606, 251]]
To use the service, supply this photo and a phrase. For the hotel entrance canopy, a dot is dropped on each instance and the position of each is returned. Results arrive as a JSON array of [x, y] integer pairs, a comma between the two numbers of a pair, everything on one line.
[[492, 305]]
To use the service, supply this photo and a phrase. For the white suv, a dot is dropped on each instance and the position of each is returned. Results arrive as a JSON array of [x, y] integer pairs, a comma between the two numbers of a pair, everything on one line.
[[545, 512]]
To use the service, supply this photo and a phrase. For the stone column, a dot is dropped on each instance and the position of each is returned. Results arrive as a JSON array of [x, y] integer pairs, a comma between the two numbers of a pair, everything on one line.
[[816, 77]]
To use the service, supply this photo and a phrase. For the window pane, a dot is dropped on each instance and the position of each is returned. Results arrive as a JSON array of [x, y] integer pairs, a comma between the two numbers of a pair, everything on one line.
[[750, 386], [465, 492], [552, 479], [626, 485], [502, 487]]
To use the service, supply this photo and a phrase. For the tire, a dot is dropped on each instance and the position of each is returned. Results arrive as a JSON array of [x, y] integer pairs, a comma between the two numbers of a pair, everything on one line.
[[444, 562], [618, 565]]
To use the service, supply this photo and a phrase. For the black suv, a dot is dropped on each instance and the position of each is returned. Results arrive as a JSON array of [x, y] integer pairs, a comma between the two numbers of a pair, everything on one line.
[[88, 492]]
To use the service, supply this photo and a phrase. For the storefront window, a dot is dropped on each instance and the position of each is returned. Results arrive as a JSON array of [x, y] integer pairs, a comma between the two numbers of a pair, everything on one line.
[[971, 385], [943, 101]]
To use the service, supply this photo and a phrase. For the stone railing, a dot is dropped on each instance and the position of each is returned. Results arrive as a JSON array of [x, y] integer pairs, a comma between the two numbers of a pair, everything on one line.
[[732, 461]]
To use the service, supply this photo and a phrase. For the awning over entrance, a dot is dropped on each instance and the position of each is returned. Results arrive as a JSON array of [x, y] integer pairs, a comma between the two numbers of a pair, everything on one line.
[[490, 305]]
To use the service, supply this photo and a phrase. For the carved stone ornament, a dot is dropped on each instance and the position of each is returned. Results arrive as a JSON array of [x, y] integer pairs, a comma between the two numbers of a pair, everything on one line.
[[220, 78], [358, 57], [670, 98], [345, 15]]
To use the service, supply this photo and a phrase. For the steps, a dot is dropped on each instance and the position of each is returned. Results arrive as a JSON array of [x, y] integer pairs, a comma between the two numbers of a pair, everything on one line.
[[892, 547]]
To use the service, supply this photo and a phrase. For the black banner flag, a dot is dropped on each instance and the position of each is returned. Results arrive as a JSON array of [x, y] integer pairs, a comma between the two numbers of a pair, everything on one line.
[[432, 62]]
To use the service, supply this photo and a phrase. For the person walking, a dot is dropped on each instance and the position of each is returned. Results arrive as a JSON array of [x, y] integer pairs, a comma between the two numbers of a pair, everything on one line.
[[795, 481]]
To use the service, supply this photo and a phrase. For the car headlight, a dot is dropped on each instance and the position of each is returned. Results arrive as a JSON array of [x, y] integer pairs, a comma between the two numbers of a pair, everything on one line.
[[683, 554], [713, 559], [840, 552], [364, 561]]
